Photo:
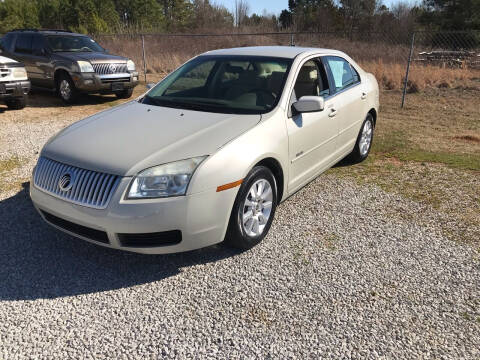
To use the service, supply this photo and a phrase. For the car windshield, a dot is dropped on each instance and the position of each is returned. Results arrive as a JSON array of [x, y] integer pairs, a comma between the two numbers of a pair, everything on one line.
[[69, 43], [224, 84]]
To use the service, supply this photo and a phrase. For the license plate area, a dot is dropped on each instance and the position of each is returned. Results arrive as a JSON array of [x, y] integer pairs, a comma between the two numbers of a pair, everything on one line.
[[117, 86]]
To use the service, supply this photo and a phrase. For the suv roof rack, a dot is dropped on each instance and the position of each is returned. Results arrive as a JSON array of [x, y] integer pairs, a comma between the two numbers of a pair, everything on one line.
[[37, 30]]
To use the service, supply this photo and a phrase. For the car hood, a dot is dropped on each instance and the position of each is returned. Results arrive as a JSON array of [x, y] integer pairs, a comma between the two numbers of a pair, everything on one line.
[[134, 136], [91, 56]]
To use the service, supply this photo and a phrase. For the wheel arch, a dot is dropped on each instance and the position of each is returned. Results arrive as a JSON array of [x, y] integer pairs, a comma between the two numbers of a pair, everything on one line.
[[58, 73], [373, 112], [274, 166]]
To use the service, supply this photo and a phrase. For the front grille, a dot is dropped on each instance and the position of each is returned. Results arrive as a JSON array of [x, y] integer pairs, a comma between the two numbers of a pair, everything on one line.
[[151, 239], [79, 186], [89, 233], [109, 68]]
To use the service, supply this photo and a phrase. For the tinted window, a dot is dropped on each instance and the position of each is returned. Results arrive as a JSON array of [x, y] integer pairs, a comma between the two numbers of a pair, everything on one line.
[[38, 45], [342, 73], [6, 42], [225, 84], [23, 44]]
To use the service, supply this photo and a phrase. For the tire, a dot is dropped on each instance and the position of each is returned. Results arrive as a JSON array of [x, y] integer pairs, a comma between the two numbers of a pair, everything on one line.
[[16, 103], [243, 231], [364, 141], [66, 89], [125, 94]]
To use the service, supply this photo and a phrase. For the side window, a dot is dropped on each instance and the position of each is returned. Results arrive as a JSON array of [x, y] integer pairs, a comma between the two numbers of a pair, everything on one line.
[[343, 75], [23, 44], [38, 45], [311, 80], [6, 42]]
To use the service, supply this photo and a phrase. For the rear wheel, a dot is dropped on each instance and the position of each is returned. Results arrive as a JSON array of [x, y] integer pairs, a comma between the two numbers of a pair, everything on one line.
[[125, 94], [253, 210], [16, 103], [364, 141], [66, 89]]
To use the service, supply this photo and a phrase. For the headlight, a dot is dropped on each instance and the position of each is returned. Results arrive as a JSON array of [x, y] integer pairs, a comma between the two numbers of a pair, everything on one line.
[[166, 180], [130, 65], [19, 73], [85, 66]]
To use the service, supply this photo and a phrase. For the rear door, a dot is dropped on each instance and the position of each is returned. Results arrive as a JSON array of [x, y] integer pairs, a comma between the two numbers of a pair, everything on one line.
[[350, 96], [311, 136], [40, 70], [23, 51]]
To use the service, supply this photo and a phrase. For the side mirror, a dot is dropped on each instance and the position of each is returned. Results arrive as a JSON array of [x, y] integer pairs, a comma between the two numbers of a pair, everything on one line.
[[308, 104], [150, 85]]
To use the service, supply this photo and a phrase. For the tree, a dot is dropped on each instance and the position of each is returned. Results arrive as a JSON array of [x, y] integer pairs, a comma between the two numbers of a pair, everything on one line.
[[285, 19], [451, 14], [240, 12], [18, 14]]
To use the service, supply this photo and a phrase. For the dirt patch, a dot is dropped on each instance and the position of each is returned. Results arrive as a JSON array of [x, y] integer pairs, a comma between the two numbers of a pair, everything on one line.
[[472, 138]]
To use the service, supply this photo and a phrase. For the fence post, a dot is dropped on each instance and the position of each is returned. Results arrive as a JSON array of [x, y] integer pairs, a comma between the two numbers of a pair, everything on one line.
[[144, 60], [292, 39], [408, 70]]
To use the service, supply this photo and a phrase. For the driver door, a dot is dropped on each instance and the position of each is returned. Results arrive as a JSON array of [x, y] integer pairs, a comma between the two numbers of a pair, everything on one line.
[[312, 136]]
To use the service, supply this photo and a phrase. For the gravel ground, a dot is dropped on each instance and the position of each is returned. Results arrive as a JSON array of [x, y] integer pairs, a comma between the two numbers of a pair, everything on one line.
[[342, 274]]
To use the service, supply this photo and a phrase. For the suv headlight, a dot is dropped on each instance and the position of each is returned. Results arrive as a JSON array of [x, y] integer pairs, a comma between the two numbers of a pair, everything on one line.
[[85, 66], [19, 73], [166, 180], [130, 65]]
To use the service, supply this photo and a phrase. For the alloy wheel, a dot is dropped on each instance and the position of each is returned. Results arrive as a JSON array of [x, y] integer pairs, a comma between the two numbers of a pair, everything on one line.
[[257, 208]]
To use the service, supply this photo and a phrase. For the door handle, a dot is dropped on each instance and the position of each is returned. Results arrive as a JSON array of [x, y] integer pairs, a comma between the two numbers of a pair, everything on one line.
[[364, 96], [333, 113]]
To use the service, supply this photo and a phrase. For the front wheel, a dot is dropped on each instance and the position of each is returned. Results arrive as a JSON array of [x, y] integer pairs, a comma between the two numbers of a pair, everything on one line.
[[253, 210], [16, 103], [364, 141], [66, 89], [124, 94]]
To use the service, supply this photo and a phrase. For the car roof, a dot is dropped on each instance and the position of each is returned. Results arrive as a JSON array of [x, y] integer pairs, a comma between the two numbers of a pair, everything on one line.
[[289, 52], [45, 32]]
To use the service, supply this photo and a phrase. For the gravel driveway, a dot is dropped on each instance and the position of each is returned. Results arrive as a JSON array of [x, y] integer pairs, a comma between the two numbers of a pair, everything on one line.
[[347, 271]]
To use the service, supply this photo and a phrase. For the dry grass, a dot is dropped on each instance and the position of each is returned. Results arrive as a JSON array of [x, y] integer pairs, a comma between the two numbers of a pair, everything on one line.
[[165, 53]]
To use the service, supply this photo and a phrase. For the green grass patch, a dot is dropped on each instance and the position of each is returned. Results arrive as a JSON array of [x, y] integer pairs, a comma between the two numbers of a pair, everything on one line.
[[396, 144]]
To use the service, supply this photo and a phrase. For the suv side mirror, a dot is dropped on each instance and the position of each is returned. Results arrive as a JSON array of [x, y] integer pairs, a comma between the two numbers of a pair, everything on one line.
[[308, 104]]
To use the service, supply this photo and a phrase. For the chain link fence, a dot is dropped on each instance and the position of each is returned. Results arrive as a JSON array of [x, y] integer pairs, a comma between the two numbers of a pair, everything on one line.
[[438, 59]]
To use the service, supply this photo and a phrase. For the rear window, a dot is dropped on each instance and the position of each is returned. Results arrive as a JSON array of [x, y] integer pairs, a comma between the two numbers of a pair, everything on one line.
[[6, 42]]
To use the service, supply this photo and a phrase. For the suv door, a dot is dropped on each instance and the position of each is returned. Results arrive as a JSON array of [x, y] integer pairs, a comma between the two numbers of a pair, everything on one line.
[[311, 136], [23, 51], [349, 94], [40, 69]]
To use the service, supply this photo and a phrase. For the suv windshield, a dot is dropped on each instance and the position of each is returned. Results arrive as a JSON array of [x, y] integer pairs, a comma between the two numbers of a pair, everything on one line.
[[224, 84], [69, 43]]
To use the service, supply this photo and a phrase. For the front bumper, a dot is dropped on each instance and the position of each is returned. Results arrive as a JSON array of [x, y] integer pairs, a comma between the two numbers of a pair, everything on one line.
[[201, 218], [14, 89], [105, 84]]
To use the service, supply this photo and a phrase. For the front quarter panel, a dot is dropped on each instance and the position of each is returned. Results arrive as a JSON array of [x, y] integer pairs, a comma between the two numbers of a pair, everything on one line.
[[234, 160]]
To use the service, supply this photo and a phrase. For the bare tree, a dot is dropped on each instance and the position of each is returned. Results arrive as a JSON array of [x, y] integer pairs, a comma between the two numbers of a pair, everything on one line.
[[240, 12]]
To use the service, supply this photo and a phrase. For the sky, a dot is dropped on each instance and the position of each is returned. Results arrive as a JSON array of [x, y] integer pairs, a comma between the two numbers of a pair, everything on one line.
[[276, 6]]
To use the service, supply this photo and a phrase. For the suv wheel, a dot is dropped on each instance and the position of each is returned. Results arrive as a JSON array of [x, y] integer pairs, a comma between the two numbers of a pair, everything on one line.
[[253, 210], [66, 89], [125, 94], [16, 103]]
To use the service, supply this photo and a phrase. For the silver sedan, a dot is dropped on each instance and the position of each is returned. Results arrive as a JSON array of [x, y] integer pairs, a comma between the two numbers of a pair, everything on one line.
[[208, 153]]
